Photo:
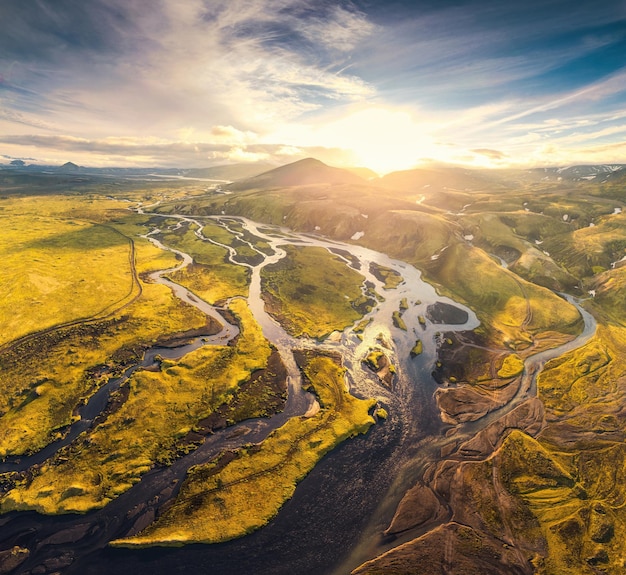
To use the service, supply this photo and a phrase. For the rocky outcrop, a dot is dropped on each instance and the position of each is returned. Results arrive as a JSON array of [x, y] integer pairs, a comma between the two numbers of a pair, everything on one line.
[[529, 416], [453, 549]]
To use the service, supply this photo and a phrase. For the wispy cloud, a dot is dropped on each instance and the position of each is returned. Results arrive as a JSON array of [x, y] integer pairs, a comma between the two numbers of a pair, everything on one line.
[[341, 30], [200, 81], [615, 84], [151, 152], [194, 62], [491, 154]]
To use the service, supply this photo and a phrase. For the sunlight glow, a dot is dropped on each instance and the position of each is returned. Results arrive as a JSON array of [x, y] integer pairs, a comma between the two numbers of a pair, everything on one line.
[[381, 139]]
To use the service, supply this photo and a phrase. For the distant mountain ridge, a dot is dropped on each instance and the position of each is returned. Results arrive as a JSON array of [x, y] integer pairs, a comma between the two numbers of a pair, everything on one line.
[[312, 171], [229, 172], [439, 177], [592, 172], [364, 173]]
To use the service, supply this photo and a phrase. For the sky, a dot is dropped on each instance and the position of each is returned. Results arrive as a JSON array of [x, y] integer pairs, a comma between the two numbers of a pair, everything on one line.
[[387, 84]]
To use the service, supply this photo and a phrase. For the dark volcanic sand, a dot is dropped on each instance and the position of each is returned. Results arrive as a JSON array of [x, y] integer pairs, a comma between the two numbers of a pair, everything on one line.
[[446, 313]]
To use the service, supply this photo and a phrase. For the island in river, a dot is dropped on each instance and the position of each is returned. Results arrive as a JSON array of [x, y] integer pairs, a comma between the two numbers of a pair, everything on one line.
[[240, 370]]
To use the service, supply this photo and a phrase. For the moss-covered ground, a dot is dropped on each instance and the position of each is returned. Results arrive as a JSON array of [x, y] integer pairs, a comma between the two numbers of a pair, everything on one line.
[[58, 269], [236, 495], [313, 292], [511, 366], [418, 348], [398, 321], [161, 408], [390, 278], [513, 309], [557, 489], [503, 246], [70, 348], [211, 276], [556, 498]]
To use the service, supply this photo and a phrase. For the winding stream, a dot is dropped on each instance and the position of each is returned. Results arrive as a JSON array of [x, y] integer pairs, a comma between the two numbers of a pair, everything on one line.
[[352, 492]]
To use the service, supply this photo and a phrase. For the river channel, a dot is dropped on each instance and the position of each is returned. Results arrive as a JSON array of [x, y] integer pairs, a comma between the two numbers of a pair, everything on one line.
[[334, 521]]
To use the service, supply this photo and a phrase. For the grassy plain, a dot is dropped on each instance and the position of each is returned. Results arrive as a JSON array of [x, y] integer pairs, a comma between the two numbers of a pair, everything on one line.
[[313, 292], [221, 501], [249, 248], [47, 374], [59, 269]]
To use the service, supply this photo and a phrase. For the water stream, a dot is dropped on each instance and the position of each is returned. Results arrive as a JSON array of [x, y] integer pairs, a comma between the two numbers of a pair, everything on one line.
[[347, 499]]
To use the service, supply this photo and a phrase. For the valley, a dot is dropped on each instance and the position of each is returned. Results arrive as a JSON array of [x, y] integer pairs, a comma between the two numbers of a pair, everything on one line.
[[421, 370]]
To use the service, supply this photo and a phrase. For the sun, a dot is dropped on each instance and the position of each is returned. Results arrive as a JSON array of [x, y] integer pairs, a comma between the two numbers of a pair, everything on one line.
[[381, 139]]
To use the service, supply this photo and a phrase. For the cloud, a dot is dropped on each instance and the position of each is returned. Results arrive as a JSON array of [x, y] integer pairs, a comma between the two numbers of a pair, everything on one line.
[[200, 81], [115, 151], [339, 29], [232, 135], [469, 53], [7, 157], [122, 151], [165, 66], [556, 155], [15, 117], [46, 31], [490, 154], [615, 84]]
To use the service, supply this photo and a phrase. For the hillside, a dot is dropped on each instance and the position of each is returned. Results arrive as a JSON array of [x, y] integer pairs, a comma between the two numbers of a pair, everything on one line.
[[442, 178], [590, 173]]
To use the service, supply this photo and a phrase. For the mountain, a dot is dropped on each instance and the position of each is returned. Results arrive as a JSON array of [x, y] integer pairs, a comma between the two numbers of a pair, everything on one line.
[[364, 173], [301, 173], [69, 167], [457, 179], [422, 180], [591, 173]]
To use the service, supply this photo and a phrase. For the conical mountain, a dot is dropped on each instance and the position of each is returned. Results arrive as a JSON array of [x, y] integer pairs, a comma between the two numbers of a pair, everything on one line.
[[301, 173], [69, 167]]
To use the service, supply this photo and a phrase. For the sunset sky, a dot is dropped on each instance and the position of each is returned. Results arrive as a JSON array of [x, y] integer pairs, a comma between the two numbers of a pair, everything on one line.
[[384, 84]]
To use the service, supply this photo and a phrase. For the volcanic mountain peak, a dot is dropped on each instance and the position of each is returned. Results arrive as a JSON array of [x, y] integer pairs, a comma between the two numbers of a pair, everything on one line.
[[300, 173], [69, 167]]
